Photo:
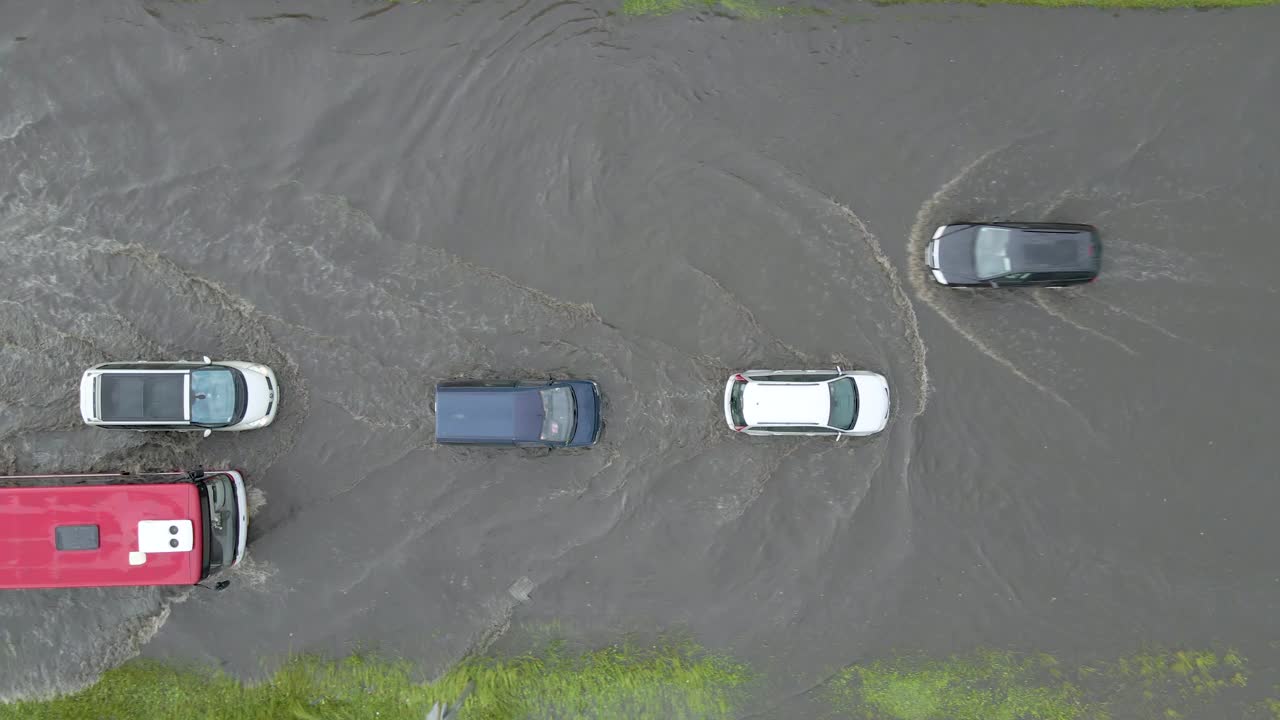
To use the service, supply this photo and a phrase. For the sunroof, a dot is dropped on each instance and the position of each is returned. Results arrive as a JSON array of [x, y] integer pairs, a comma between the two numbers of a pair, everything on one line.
[[76, 537], [141, 396]]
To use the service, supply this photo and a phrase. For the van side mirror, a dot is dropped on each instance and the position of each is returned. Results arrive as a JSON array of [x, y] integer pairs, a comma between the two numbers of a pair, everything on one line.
[[206, 360], [207, 432]]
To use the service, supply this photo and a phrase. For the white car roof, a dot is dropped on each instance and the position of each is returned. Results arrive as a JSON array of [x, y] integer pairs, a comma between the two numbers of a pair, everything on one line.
[[766, 403]]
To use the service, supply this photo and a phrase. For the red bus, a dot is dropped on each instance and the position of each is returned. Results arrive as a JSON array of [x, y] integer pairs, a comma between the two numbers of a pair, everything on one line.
[[96, 530]]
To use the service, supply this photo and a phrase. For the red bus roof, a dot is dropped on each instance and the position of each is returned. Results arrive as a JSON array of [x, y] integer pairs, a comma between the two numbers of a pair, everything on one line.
[[34, 521]]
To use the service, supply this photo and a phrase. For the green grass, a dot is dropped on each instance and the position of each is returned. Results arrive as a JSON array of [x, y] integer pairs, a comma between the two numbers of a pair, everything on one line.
[[637, 683], [1166, 685], [1108, 4], [759, 9], [671, 680], [999, 685], [986, 686]]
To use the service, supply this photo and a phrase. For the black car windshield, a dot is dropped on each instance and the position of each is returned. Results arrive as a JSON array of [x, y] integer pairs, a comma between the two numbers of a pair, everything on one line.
[[844, 403], [558, 411], [213, 396], [991, 252]]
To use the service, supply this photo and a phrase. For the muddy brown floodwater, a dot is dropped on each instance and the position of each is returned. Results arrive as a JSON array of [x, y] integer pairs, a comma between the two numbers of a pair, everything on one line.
[[528, 188]]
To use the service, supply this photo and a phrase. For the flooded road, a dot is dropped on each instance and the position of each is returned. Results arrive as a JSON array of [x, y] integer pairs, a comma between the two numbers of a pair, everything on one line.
[[372, 202]]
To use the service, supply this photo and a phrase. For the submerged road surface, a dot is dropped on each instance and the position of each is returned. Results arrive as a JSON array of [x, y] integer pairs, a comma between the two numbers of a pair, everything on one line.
[[371, 202]]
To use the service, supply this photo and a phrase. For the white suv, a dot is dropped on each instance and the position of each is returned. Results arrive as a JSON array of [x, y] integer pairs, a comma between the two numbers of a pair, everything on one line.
[[182, 395], [807, 402]]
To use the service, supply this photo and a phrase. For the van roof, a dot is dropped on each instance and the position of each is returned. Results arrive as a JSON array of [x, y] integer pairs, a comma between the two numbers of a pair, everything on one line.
[[488, 414], [96, 527]]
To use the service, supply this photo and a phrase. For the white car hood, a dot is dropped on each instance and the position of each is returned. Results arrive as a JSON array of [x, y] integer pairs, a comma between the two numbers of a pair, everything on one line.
[[260, 396], [873, 404]]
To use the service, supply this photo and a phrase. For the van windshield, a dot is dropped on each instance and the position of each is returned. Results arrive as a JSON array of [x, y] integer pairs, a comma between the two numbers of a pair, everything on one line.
[[558, 414], [220, 513]]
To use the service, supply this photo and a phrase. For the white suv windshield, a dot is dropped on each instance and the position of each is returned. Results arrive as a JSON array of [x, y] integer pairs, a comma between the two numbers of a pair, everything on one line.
[[213, 396], [844, 404]]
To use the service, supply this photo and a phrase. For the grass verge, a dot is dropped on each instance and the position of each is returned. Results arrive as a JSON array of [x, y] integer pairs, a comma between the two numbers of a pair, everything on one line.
[[674, 681], [999, 685], [637, 683], [988, 686]]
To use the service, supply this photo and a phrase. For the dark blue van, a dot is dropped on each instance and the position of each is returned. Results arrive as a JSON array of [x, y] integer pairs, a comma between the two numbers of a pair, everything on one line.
[[555, 413]]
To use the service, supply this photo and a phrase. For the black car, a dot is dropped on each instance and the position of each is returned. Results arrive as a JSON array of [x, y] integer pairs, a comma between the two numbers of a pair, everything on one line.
[[1014, 254], [541, 413]]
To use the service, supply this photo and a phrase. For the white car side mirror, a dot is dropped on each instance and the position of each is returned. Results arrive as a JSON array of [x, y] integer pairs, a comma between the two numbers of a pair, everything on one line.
[[206, 359], [207, 432]]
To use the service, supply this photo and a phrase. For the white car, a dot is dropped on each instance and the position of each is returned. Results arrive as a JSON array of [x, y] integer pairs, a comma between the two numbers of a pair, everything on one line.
[[807, 402], [180, 395]]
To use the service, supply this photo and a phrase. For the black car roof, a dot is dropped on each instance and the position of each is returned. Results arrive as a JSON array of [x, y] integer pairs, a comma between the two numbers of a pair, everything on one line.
[[1035, 247], [1050, 249]]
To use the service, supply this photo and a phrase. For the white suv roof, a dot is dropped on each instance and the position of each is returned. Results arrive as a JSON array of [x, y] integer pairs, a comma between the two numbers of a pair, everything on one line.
[[158, 395], [768, 403]]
